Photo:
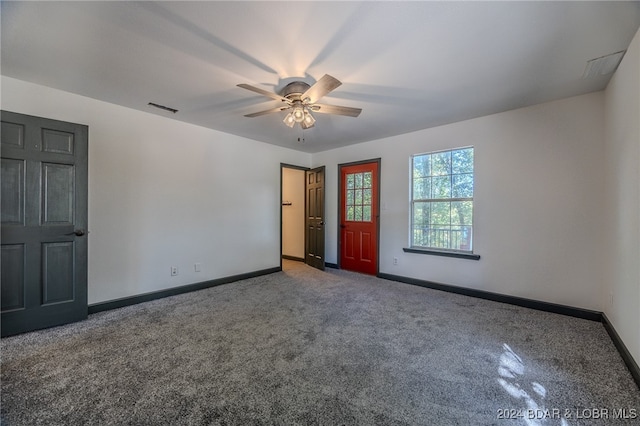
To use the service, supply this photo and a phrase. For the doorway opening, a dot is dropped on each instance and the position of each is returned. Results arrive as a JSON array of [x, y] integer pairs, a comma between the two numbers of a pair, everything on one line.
[[292, 212], [302, 215]]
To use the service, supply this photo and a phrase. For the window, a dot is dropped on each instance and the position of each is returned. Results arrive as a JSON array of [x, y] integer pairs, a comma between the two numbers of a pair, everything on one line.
[[358, 203], [442, 200]]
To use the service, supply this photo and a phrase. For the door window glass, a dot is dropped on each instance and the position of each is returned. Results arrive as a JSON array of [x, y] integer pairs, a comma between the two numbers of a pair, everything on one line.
[[358, 197]]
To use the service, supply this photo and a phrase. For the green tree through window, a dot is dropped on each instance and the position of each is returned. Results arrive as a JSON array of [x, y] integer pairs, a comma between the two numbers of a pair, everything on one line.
[[442, 200]]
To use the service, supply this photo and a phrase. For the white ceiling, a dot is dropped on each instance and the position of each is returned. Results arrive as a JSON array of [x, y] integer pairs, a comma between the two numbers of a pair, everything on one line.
[[408, 65]]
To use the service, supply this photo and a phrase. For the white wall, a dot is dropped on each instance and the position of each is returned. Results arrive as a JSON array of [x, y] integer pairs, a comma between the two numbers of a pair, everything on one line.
[[538, 201], [293, 183], [165, 193], [621, 290]]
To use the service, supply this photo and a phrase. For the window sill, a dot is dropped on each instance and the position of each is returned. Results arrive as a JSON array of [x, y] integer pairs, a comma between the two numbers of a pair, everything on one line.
[[458, 255]]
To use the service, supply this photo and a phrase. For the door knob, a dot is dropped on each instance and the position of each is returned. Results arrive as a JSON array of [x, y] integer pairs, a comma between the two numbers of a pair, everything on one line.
[[79, 232]]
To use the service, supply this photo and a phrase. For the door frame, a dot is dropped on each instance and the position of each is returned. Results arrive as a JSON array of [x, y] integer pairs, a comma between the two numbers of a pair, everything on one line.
[[341, 194], [304, 233]]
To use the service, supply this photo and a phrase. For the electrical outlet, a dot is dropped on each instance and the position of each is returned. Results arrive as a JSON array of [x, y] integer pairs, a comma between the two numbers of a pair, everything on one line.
[[196, 267], [395, 260], [174, 271], [611, 299]]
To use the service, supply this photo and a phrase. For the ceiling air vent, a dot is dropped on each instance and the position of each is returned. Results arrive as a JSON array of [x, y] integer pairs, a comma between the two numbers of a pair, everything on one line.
[[166, 108], [603, 65]]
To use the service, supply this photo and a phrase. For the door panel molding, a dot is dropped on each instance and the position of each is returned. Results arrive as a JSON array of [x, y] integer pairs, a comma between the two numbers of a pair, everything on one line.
[[58, 193], [12, 196], [13, 258], [58, 280], [12, 134], [57, 141]]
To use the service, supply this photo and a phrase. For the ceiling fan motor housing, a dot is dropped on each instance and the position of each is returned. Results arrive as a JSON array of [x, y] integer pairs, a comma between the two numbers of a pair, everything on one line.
[[294, 88]]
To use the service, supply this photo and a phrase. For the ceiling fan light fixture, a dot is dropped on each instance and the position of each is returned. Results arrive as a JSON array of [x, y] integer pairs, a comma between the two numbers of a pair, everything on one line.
[[308, 121], [289, 120], [298, 113]]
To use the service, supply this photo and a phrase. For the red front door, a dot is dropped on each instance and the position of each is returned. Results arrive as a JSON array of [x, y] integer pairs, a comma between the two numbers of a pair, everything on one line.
[[359, 217]]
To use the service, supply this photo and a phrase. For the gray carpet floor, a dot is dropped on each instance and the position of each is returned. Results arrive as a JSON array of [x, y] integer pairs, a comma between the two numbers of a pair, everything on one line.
[[305, 347]]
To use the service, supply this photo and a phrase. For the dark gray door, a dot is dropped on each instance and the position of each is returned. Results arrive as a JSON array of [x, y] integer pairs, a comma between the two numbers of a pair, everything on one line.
[[315, 218], [44, 222]]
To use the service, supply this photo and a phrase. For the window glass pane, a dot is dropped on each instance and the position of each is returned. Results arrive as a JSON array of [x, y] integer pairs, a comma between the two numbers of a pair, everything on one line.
[[367, 180], [420, 236], [366, 213], [358, 214], [461, 212], [460, 238], [358, 197], [467, 209], [422, 166], [462, 160], [441, 163], [439, 237], [422, 188], [358, 180], [466, 241], [350, 180], [350, 197], [366, 196], [441, 187], [421, 214], [421, 218], [455, 238], [350, 213], [440, 213], [462, 186]]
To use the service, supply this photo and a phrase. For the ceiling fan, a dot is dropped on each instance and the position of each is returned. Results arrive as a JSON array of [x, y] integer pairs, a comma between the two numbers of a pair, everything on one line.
[[300, 99]]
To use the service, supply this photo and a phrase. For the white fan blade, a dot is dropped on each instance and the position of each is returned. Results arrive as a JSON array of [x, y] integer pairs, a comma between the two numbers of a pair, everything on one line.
[[268, 111], [264, 92], [335, 109], [321, 87]]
